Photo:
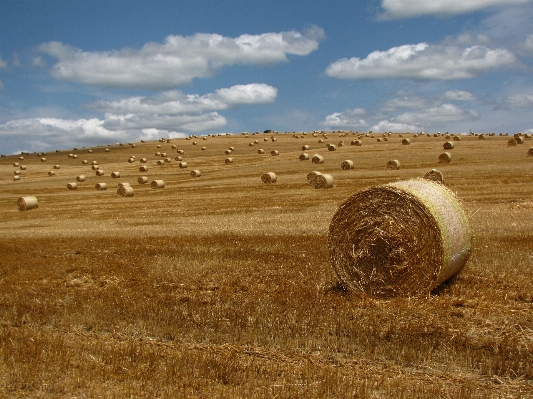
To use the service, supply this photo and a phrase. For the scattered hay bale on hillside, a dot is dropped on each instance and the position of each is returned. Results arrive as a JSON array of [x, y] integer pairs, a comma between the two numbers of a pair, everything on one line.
[[357, 143], [312, 176], [115, 175], [332, 147], [305, 147], [125, 191], [16, 177], [27, 203], [406, 142], [274, 153], [260, 151], [157, 184], [16, 172], [520, 140], [445, 157], [347, 165], [434, 175], [399, 239], [456, 138], [318, 159], [142, 180], [448, 145], [227, 152], [269, 177], [324, 181], [530, 152], [304, 156], [180, 151], [195, 173], [182, 165], [51, 173], [100, 186], [100, 172], [228, 160], [511, 143], [72, 186], [393, 165], [80, 178], [55, 167], [43, 159], [95, 167]]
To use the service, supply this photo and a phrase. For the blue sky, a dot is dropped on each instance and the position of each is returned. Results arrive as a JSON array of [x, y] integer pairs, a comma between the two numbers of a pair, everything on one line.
[[83, 73]]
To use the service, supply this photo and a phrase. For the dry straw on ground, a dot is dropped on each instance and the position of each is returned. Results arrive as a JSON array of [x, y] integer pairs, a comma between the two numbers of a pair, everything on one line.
[[347, 165], [27, 203], [399, 239], [324, 181], [445, 157], [393, 165], [434, 175], [269, 177]]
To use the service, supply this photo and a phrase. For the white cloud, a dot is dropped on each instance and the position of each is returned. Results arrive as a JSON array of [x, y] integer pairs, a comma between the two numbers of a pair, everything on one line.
[[3, 64], [406, 100], [442, 114], [423, 62], [2, 87], [349, 119], [178, 60], [181, 122], [520, 100], [38, 62], [397, 9], [528, 45], [459, 95], [396, 127]]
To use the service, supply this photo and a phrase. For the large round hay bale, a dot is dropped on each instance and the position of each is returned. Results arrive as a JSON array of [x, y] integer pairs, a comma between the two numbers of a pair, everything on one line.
[[393, 165], [332, 147], [80, 178], [16, 177], [27, 203], [347, 165], [95, 167], [125, 191], [16, 172], [269, 177], [445, 157], [434, 175], [157, 184], [312, 176], [448, 145], [318, 159], [304, 156], [406, 142], [511, 143], [324, 181], [142, 180], [51, 173], [43, 159], [99, 172], [195, 173], [100, 186], [399, 239], [72, 186], [55, 167]]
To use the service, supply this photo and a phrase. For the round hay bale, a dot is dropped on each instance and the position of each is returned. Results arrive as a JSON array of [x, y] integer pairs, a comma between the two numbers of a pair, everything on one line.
[[143, 168], [445, 157], [95, 167], [274, 139], [106, 150], [115, 175], [519, 140], [456, 138], [347, 165], [512, 143], [131, 160], [228, 160], [399, 239], [27, 203], [530, 152], [75, 156], [317, 159], [89, 151], [180, 151], [43, 159], [51, 173], [320, 141], [182, 164], [269, 178], [16, 172], [406, 142], [22, 167], [274, 153], [142, 180], [434, 175], [232, 149], [260, 151], [100, 186], [195, 173], [194, 143], [158, 146], [16, 177], [379, 140], [482, 137], [85, 162], [167, 160], [448, 145], [99, 172], [340, 143], [72, 186], [312, 176], [179, 159], [204, 148], [305, 147], [55, 167], [94, 163], [125, 191], [304, 156], [332, 147], [157, 184], [393, 165], [357, 143], [80, 178], [227, 152], [324, 181], [160, 162], [251, 144]]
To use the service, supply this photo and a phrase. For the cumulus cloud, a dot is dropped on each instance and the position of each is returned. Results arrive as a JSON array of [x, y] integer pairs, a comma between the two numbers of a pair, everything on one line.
[[423, 62], [177, 60], [406, 100], [396, 127], [442, 114], [459, 95], [398, 9], [527, 46], [349, 119], [520, 100], [3, 64]]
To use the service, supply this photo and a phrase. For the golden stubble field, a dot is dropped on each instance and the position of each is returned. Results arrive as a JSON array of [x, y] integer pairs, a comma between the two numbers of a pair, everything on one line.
[[221, 286]]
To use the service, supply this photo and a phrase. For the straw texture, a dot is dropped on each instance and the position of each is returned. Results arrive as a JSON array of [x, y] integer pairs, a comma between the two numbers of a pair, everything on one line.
[[399, 239]]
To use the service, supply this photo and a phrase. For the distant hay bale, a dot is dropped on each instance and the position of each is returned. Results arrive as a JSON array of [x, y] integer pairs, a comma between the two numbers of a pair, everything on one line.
[[180, 151], [51, 173], [204, 148], [519, 140], [106, 150], [340, 143], [158, 154], [305, 147], [434, 175], [99, 172], [274, 153], [143, 168], [456, 138], [269, 177], [379, 140], [85, 162], [115, 175], [80, 178], [43, 159], [22, 167], [72, 186], [182, 164], [530, 152], [312, 176], [195, 173], [260, 151], [482, 137], [142, 180], [178, 159], [16, 172], [232, 149], [251, 144], [158, 146], [332, 147], [167, 160], [95, 167], [448, 145], [125, 191], [399, 239], [406, 142], [347, 165], [131, 160], [16, 164], [194, 143], [55, 167], [227, 152], [89, 151], [445, 157], [304, 156], [174, 146], [27, 203], [274, 139], [100, 186], [393, 165], [228, 160], [357, 143], [16, 177], [511, 142], [160, 162], [318, 159], [94, 163], [157, 184], [324, 181], [320, 141]]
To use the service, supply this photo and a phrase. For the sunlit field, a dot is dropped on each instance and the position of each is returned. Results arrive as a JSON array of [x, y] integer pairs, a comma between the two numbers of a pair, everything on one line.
[[222, 286]]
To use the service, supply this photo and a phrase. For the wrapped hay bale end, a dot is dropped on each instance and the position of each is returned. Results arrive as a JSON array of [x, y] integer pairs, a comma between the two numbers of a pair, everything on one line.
[[347, 165], [27, 203], [399, 239], [434, 175], [269, 178]]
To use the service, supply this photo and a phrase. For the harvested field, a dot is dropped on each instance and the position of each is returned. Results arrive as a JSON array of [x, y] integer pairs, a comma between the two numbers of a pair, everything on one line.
[[223, 287]]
